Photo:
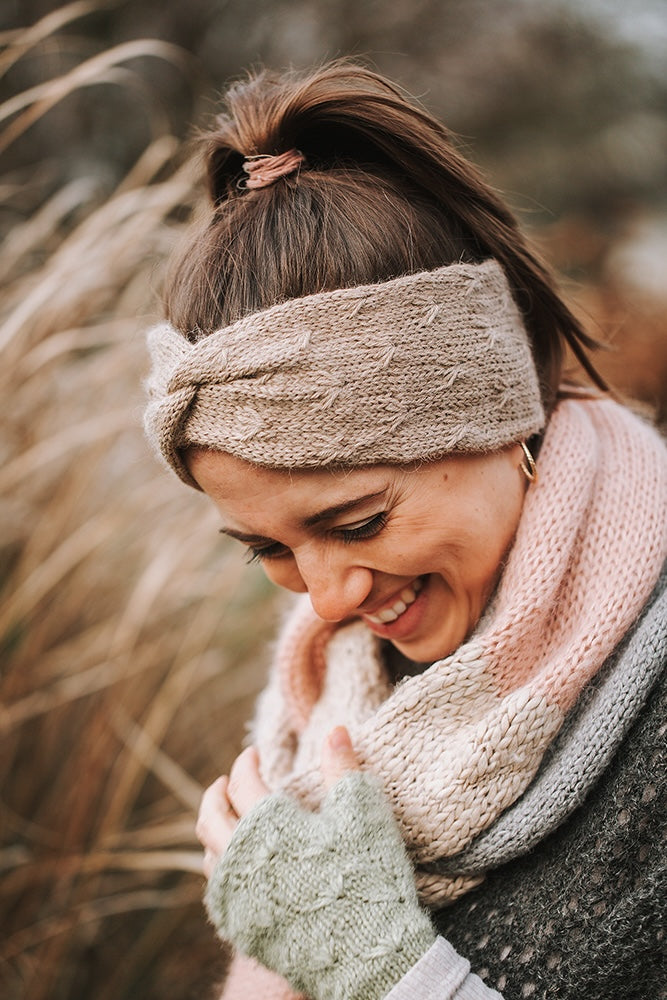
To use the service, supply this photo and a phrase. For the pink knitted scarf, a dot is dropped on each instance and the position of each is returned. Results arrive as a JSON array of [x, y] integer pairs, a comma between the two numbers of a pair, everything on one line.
[[456, 745]]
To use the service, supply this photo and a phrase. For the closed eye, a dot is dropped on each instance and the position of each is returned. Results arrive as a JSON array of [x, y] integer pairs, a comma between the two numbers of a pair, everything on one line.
[[257, 553], [350, 533], [367, 528]]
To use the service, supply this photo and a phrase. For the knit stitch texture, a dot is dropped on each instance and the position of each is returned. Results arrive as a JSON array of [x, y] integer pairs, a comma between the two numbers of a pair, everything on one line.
[[605, 472], [441, 360], [327, 899], [585, 746], [456, 746], [583, 915]]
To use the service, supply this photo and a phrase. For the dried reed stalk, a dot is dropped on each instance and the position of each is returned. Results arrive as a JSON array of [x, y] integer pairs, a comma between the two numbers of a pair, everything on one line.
[[129, 631]]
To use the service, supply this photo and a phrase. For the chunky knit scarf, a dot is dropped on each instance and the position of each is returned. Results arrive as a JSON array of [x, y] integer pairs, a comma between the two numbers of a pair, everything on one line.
[[460, 743]]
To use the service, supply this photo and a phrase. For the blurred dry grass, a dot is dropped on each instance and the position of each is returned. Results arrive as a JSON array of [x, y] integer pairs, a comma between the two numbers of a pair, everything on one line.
[[118, 694], [620, 293], [129, 631]]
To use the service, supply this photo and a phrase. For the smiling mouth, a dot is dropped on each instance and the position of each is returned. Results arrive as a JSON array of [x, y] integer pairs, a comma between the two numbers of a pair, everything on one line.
[[392, 612]]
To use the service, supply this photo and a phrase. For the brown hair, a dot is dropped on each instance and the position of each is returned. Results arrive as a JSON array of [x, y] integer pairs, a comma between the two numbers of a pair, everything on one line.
[[383, 192]]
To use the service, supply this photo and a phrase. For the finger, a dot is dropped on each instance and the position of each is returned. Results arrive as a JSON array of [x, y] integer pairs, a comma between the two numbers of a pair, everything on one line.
[[246, 788], [209, 862], [338, 756], [217, 820]]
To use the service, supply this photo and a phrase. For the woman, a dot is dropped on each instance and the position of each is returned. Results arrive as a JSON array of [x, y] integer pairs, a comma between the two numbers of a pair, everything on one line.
[[362, 367]]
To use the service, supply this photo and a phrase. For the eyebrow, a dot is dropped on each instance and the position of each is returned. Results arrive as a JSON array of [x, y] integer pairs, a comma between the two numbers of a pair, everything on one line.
[[322, 515], [341, 508]]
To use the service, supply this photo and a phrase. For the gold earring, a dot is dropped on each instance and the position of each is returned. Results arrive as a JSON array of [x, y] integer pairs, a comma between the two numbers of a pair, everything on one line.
[[529, 467]]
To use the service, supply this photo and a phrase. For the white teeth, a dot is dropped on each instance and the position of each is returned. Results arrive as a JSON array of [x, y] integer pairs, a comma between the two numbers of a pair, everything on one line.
[[388, 615], [407, 597]]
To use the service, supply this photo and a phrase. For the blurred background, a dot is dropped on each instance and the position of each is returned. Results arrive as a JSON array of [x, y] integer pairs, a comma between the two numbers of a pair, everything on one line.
[[132, 639]]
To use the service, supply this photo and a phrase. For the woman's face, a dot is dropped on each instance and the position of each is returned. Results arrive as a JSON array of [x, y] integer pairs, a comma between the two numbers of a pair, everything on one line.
[[414, 552]]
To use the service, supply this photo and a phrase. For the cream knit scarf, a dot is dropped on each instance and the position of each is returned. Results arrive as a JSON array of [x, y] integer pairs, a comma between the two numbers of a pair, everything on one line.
[[458, 744]]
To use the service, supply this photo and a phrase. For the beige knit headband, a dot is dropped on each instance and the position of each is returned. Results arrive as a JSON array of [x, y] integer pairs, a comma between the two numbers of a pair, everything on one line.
[[407, 370]]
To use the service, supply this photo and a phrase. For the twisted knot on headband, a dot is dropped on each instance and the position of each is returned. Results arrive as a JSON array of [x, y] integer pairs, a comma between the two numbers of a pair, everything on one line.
[[264, 169], [407, 370]]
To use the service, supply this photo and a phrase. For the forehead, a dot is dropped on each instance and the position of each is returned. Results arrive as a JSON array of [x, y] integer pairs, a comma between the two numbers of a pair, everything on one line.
[[228, 480]]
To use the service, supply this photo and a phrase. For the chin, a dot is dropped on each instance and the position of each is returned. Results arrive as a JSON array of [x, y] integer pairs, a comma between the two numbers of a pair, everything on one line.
[[429, 650]]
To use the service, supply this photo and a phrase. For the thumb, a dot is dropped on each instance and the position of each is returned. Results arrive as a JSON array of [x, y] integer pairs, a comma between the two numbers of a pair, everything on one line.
[[338, 756]]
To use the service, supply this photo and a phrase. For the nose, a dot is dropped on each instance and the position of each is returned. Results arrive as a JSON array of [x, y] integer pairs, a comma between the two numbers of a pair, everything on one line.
[[336, 584], [336, 599]]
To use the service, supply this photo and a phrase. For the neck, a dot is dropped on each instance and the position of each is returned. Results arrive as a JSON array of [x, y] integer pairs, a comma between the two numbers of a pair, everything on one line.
[[399, 666]]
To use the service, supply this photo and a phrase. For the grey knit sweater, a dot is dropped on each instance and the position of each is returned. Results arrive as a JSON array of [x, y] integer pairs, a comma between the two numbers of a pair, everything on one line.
[[582, 915]]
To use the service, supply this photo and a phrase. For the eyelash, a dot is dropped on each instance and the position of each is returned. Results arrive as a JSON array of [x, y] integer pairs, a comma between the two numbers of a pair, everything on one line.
[[367, 529]]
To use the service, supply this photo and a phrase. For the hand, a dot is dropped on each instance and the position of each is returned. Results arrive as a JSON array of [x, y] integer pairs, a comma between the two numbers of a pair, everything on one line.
[[223, 804], [229, 798], [327, 899]]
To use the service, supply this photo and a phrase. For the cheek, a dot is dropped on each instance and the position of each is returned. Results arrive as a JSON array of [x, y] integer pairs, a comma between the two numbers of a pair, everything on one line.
[[284, 573], [493, 534], [479, 538]]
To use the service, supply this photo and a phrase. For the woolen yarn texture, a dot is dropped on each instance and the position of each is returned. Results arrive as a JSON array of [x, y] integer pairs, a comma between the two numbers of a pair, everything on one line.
[[572, 872], [591, 736], [328, 898], [407, 370], [459, 744], [583, 915]]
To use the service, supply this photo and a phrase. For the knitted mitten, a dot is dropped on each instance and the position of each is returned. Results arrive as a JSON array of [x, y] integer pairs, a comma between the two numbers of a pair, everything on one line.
[[327, 899]]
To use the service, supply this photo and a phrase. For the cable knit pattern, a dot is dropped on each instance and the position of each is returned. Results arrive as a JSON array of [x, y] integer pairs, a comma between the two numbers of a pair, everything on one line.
[[328, 898], [458, 744], [441, 360]]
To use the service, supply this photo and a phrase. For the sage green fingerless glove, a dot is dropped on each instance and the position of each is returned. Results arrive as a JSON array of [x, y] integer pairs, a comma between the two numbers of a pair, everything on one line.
[[326, 899]]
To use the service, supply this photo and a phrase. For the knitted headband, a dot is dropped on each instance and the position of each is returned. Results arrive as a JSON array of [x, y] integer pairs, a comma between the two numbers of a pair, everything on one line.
[[407, 370]]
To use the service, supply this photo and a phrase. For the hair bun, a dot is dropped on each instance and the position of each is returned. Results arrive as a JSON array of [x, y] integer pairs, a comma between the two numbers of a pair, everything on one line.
[[331, 116], [386, 193]]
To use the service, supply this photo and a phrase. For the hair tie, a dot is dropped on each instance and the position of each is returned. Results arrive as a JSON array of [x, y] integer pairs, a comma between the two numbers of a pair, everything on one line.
[[265, 169]]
